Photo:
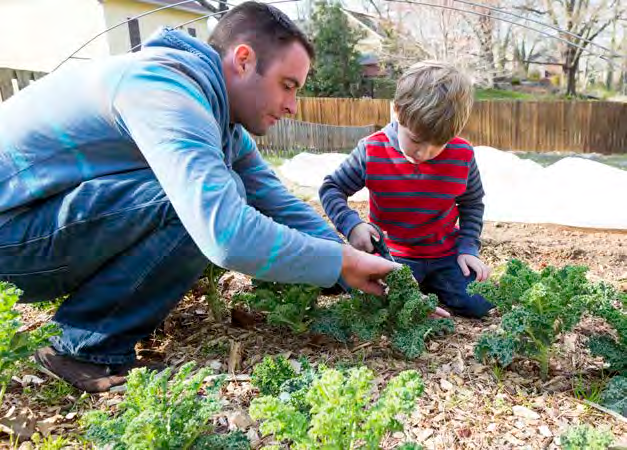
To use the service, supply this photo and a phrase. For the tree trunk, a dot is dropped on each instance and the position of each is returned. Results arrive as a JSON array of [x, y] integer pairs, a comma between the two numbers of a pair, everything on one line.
[[570, 68]]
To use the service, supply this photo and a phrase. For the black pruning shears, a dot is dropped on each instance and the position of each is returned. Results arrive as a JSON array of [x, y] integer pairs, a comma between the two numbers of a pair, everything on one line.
[[380, 246]]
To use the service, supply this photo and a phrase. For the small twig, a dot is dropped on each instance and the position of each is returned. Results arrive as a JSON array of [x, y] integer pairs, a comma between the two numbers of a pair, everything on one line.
[[605, 410]]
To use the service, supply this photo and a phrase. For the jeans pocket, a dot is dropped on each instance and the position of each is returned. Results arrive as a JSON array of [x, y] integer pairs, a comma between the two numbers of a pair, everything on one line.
[[40, 285]]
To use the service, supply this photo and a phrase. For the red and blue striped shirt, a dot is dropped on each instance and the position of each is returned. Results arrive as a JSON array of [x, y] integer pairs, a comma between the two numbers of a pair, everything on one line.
[[417, 205]]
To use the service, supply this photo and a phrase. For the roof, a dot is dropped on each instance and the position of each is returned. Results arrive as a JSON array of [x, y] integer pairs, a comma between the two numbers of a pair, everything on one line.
[[192, 6]]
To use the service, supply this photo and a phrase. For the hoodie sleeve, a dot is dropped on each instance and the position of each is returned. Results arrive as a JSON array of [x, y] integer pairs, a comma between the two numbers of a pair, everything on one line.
[[172, 122], [267, 194]]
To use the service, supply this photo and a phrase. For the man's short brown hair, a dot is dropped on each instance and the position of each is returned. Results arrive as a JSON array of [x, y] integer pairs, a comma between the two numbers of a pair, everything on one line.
[[265, 28], [434, 100]]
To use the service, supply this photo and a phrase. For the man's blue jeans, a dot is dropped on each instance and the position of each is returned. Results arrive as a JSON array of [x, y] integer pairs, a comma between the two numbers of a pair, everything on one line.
[[117, 247], [444, 277]]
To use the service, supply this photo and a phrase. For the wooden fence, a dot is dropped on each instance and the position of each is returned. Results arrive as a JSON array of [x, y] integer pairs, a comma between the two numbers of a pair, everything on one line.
[[352, 112], [577, 126], [13, 80], [289, 136]]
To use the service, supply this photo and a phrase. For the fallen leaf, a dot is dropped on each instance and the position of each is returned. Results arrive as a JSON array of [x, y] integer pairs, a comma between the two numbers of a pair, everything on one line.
[[522, 411]]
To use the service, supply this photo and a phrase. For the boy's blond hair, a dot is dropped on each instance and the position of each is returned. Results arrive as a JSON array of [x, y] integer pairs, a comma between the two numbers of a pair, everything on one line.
[[434, 99]]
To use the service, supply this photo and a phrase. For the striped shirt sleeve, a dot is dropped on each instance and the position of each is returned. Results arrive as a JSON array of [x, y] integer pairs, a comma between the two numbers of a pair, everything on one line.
[[471, 207], [348, 178]]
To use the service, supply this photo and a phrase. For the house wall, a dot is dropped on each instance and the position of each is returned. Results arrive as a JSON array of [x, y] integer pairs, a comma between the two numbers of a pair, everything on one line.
[[38, 34], [116, 11]]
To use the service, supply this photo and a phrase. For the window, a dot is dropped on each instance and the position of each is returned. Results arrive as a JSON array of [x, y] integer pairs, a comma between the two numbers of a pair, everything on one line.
[[192, 31], [135, 36]]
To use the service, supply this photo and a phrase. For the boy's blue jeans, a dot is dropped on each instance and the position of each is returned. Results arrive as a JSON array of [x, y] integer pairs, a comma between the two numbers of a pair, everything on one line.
[[444, 278], [116, 246]]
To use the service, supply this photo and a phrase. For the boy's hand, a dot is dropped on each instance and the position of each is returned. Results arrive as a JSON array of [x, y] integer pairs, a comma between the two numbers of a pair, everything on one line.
[[360, 237], [363, 271], [467, 262]]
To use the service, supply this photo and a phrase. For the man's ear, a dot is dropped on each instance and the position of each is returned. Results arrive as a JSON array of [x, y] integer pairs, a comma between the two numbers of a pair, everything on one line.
[[244, 59]]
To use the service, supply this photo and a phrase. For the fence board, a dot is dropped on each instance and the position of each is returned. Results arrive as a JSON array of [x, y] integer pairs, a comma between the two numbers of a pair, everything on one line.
[[289, 136], [22, 78], [343, 111]]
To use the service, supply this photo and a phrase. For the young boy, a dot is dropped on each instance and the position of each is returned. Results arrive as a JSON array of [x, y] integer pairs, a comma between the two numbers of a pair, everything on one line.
[[422, 179]]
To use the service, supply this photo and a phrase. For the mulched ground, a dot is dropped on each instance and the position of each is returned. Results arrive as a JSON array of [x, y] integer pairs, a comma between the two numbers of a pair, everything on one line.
[[466, 405]]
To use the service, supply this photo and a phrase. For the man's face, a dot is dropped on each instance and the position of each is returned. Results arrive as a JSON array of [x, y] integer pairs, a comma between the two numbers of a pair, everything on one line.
[[415, 149], [259, 101]]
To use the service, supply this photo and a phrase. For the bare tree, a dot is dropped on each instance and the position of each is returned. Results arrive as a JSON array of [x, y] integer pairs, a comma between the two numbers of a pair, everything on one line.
[[583, 21]]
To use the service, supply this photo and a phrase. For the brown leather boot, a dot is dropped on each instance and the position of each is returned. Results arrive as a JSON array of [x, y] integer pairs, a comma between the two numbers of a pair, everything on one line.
[[86, 376]]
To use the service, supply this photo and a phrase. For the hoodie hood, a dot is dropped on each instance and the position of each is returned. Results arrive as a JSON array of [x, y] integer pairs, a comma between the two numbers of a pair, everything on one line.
[[177, 39], [203, 64]]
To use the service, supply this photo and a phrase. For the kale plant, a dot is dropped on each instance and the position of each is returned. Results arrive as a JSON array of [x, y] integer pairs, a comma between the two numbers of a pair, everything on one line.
[[614, 396], [613, 349], [536, 308], [403, 315], [16, 346], [341, 412], [285, 304], [585, 437], [160, 414], [271, 373]]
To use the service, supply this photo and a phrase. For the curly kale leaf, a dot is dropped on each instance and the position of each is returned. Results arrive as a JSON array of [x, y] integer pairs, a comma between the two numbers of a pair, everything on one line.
[[537, 307], [614, 396], [404, 315], [342, 413], [157, 413], [16, 346], [612, 351], [499, 347], [288, 305], [411, 342], [585, 437], [271, 373]]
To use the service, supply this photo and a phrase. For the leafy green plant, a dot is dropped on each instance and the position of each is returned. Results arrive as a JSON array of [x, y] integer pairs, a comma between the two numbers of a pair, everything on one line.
[[271, 373], [614, 396], [158, 414], [285, 304], [403, 315], [610, 307], [16, 346], [50, 442], [341, 412], [536, 308], [585, 437]]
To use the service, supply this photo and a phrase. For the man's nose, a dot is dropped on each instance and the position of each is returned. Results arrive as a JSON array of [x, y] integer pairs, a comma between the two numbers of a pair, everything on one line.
[[291, 105]]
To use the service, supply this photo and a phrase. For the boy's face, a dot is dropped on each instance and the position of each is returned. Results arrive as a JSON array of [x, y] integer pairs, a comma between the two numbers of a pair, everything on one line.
[[414, 149]]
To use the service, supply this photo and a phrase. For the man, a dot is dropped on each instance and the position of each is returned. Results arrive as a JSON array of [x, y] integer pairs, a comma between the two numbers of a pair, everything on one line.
[[122, 178]]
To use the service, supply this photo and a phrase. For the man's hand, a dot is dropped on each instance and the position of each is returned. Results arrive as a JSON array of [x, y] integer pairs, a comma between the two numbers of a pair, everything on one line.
[[360, 235], [467, 262], [363, 271]]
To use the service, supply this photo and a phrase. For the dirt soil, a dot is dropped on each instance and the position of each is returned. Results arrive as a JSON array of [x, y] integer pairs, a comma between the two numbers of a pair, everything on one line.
[[466, 405]]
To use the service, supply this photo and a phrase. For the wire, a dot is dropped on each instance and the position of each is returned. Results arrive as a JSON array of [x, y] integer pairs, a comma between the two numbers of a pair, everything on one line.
[[117, 25]]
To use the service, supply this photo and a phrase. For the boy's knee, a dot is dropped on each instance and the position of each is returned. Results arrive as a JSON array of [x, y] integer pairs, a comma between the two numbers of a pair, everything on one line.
[[475, 307]]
